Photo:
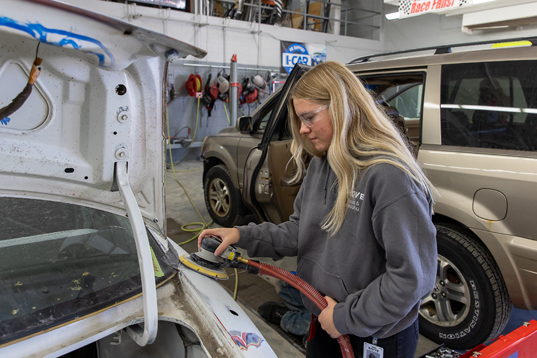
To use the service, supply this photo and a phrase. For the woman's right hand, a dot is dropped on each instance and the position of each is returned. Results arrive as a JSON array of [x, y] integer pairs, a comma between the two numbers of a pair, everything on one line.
[[228, 236]]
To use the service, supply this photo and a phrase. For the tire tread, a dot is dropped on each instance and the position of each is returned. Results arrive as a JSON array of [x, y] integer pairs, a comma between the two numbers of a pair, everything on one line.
[[486, 261]]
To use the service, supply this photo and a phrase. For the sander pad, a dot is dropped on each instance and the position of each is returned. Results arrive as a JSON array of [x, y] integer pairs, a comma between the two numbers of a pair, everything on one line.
[[203, 263]]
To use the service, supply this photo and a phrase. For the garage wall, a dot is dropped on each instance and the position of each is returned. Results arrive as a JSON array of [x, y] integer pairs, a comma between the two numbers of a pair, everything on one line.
[[223, 37], [256, 46], [434, 29]]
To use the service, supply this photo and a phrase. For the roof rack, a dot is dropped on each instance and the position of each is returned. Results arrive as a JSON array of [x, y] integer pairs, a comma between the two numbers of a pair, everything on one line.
[[442, 49]]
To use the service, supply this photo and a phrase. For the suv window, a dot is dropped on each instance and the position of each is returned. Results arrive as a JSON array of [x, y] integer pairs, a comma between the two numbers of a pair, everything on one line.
[[262, 113], [282, 131], [408, 103], [266, 115], [402, 92], [490, 105]]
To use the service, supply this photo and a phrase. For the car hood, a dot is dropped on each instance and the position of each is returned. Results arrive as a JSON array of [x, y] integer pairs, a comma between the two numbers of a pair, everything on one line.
[[97, 102]]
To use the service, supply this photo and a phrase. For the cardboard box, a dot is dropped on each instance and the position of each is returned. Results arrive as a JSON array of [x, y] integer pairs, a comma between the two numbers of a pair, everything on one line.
[[297, 20]]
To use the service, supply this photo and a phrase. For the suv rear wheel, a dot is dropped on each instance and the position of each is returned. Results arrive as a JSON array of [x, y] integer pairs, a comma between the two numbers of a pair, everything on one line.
[[222, 199], [469, 304]]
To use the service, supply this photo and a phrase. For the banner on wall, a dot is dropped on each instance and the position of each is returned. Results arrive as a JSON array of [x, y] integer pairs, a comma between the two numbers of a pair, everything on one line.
[[307, 54], [409, 8]]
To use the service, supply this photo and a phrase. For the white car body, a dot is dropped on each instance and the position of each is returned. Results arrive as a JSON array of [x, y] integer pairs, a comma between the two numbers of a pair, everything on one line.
[[91, 134]]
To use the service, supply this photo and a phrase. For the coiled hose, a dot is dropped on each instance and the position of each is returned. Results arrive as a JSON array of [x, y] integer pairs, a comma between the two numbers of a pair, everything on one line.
[[306, 289]]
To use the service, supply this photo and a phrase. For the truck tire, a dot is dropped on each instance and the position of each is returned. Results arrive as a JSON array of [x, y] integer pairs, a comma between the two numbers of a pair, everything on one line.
[[469, 304], [222, 199]]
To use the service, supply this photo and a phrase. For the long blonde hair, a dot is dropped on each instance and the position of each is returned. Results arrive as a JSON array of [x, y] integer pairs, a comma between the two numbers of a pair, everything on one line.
[[363, 134]]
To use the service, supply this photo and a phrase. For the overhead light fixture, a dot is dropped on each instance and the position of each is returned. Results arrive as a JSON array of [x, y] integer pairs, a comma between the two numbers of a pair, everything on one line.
[[507, 16], [475, 2], [392, 16]]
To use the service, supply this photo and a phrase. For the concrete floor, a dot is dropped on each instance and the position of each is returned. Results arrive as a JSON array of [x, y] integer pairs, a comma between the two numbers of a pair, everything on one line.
[[252, 289]]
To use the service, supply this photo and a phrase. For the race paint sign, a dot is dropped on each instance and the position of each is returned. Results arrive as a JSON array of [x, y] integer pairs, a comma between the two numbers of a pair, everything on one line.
[[409, 8]]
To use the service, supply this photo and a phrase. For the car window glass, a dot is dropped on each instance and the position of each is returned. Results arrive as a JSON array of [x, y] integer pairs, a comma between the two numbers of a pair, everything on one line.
[[390, 92], [408, 103], [266, 115], [262, 114], [401, 95], [490, 105], [285, 131], [61, 261]]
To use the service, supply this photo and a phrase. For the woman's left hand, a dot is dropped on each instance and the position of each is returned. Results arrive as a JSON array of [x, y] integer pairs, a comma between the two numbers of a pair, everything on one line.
[[326, 318]]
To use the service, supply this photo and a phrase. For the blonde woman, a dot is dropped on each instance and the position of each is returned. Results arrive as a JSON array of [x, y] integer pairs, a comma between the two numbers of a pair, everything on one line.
[[361, 229]]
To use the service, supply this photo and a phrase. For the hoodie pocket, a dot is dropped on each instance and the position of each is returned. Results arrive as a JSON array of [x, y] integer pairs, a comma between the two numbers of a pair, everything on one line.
[[327, 283]]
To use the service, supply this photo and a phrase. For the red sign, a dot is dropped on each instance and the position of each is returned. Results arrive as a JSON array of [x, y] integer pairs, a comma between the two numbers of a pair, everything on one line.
[[417, 7]]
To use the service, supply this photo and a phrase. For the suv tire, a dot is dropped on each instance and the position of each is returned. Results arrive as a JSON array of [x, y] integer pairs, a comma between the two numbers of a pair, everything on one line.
[[469, 304], [222, 199]]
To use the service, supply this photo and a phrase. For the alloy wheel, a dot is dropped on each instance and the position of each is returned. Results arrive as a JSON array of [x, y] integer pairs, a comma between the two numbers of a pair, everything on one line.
[[448, 304], [219, 197]]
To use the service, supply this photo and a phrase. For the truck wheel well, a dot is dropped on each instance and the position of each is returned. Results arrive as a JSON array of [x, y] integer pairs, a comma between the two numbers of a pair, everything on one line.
[[456, 225], [209, 163], [447, 221]]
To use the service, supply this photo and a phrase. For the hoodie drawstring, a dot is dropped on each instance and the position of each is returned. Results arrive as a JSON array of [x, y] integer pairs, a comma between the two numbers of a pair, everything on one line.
[[326, 184]]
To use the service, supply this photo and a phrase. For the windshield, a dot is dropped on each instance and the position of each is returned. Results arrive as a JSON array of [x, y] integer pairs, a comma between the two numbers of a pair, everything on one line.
[[61, 261]]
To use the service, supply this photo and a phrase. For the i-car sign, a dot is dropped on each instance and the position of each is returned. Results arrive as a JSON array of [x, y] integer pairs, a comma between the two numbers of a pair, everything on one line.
[[296, 53]]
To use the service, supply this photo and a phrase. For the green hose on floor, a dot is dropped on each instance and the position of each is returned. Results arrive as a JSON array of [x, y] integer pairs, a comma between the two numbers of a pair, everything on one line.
[[204, 225]]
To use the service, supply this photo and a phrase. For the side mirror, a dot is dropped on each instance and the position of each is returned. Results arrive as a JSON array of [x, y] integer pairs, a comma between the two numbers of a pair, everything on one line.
[[245, 124]]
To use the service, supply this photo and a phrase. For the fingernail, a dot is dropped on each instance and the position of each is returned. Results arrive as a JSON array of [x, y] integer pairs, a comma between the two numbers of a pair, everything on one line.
[[216, 253]]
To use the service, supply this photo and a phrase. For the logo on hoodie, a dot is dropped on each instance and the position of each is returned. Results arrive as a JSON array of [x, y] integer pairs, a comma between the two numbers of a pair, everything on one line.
[[356, 198]]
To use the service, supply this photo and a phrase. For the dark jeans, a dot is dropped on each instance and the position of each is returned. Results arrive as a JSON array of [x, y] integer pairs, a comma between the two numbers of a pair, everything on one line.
[[297, 319], [400, 345]]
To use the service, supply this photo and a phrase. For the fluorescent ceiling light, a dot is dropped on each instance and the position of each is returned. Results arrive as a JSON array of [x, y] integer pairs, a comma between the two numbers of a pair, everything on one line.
[[475, 2], [491, 27], [392, 16]]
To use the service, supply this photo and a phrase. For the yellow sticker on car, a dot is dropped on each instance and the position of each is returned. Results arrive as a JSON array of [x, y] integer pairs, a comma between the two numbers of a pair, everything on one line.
[[512, 43], [156, 265]]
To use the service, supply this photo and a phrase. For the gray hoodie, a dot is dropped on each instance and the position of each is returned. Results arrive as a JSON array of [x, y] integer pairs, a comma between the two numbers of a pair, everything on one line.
[[380, 263]]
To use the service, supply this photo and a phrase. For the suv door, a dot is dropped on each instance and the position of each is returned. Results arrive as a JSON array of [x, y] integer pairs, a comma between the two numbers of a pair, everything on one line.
[[265, 190], [248, 141]]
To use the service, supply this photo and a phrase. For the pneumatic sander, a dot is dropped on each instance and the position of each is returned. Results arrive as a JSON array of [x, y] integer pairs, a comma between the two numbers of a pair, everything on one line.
[[207, 263]]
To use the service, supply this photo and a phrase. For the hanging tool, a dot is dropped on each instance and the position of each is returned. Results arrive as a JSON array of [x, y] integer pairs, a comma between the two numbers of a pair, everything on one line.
[[205, 262]]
